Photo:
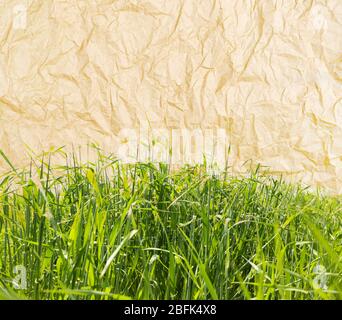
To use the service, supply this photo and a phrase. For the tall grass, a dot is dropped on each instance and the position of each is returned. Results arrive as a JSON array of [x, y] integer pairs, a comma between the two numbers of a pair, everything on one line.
[[105, 230]]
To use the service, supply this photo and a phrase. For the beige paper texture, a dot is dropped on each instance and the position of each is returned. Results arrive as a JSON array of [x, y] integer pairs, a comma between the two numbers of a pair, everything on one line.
[[267, 72]]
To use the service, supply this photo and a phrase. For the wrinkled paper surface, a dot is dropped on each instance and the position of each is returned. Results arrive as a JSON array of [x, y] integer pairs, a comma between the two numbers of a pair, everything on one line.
[[267, 72]]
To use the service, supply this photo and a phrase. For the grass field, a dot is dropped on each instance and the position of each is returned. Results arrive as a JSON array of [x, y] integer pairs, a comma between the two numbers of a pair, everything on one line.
[[106, 230]]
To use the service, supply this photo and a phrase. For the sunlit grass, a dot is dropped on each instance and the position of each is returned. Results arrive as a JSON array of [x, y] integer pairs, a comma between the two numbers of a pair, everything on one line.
[[106, 230]]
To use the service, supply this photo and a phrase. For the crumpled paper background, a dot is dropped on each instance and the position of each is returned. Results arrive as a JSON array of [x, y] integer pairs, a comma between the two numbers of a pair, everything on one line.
[[269, 72]]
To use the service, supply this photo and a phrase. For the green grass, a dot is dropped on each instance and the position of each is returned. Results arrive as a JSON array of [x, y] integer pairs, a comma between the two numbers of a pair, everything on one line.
[[106, 230]]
